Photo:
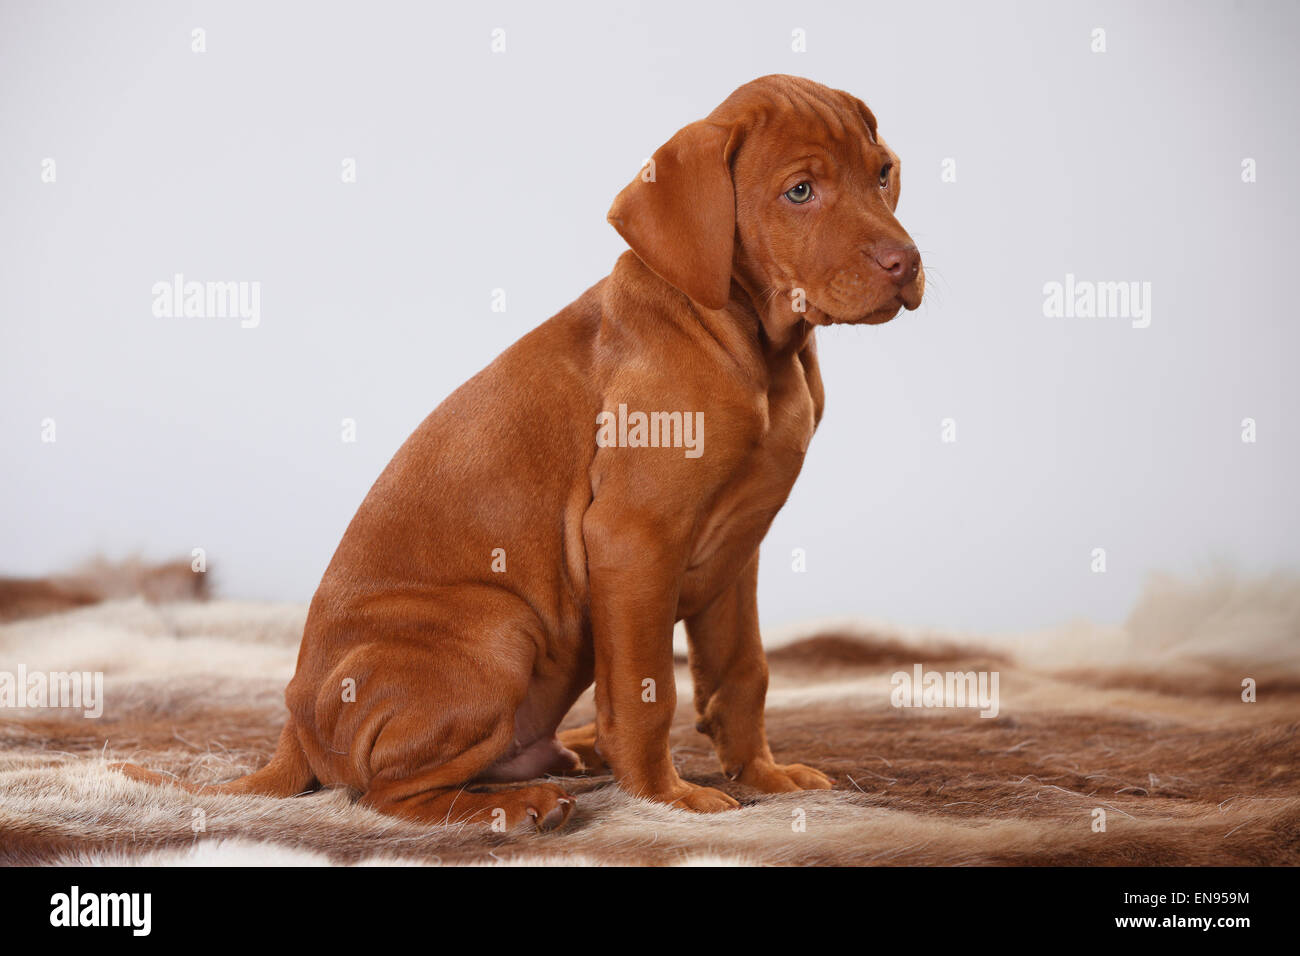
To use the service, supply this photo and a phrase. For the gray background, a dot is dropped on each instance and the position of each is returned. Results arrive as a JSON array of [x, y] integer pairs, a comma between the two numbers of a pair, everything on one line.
[[479, 171]]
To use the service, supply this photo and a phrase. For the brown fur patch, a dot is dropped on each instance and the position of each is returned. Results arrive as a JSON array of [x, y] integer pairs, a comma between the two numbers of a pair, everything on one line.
[[1186, 773]]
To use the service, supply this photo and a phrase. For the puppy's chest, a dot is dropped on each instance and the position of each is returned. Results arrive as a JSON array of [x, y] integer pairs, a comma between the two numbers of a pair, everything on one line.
[[778, 452], [760, 482]]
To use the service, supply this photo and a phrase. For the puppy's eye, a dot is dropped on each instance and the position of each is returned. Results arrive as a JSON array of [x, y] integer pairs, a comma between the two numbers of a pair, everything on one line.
[[800, 194], [885, 170]]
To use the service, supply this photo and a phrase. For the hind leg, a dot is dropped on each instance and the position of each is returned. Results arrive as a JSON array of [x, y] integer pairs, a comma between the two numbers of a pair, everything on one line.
[[417, 782], [426, 723], [544, 805], [582, 741]]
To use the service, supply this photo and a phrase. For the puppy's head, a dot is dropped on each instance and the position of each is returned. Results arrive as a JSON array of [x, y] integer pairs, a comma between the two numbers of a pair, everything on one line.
[[787, 189]]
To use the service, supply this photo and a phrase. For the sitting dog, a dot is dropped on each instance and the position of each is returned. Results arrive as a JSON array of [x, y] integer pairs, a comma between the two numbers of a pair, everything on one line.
[[610, 474]]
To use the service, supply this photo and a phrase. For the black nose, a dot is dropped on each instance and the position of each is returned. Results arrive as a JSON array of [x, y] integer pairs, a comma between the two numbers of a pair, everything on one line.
[[902, 263]]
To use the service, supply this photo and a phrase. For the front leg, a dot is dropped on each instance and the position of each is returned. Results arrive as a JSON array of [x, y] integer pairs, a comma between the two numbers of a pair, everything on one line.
[[634, 569], [730, 673]]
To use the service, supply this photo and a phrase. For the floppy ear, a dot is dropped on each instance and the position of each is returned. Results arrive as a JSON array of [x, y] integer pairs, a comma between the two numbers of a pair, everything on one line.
[[679, 214]]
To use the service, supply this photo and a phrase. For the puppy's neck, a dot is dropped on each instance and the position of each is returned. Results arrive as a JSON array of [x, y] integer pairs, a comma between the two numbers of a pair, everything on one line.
[[782, 329]]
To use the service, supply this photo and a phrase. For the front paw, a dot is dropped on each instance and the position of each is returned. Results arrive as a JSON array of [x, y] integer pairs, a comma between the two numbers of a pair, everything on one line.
[[782, 777], [693, 797], [703, 799]]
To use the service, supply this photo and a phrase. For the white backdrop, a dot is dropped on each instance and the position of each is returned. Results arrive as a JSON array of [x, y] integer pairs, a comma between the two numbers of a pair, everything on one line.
[[479, 170]]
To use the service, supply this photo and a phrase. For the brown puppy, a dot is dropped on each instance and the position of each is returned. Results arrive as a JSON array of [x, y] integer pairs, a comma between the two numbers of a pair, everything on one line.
[[610, 474]]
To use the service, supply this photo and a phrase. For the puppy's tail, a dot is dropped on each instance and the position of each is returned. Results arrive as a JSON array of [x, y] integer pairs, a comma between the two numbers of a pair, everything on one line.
[[287, 775]]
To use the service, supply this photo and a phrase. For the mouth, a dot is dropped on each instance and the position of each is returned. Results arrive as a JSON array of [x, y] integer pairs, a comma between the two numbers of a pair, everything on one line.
[[852, 298], [877, 316], [908, 297], [881, 315]]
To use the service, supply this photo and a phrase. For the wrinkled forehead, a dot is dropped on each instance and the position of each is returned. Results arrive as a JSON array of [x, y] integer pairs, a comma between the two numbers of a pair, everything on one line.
[[783, 121]]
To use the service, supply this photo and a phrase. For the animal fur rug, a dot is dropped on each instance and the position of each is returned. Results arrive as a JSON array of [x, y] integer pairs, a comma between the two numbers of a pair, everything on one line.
[[1142, 728]]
